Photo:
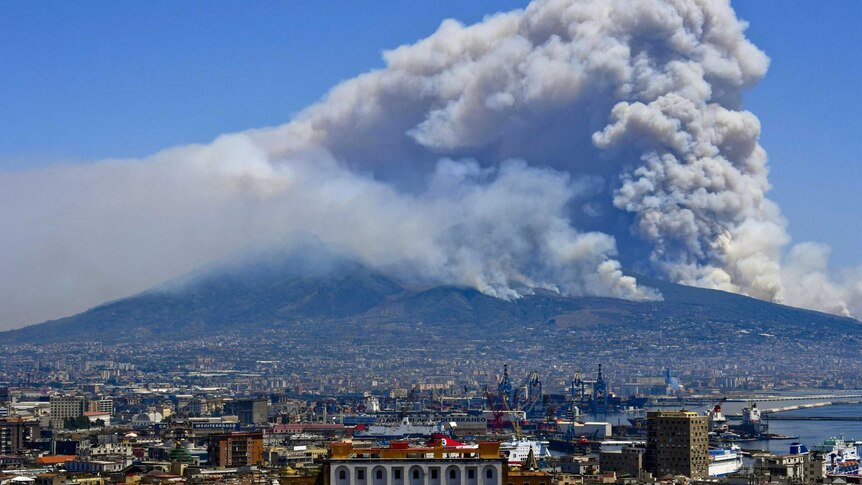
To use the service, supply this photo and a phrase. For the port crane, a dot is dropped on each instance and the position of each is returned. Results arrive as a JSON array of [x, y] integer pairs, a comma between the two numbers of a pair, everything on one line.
[[497, 410], [516, 427]]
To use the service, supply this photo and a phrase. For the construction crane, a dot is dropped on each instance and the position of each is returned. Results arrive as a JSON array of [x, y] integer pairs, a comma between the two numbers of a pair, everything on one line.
[[533, 396], [497, 422], [407, 402], [717, 421], [512, 419]]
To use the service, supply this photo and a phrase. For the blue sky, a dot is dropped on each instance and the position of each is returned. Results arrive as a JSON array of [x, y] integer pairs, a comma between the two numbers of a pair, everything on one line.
[[82, 81]]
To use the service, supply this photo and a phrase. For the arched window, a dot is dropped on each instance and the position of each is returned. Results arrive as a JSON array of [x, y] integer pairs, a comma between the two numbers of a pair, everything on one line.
[[415, 474], [489, 473], [379, 474], [342, 475], [451, 474]]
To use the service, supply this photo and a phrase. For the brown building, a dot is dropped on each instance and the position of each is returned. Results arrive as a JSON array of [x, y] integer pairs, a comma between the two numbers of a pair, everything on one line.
[[236, 450], [15, 432], [626, 462], [527, 477], [677, 444]]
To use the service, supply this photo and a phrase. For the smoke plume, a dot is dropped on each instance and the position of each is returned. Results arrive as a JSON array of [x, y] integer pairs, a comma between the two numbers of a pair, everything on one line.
[[540, 148]]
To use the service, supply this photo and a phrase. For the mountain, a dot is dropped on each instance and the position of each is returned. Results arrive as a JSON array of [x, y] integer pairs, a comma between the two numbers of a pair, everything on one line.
[[307, 283]]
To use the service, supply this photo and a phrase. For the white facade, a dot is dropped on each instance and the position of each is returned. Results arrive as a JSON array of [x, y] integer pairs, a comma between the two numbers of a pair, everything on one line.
[[65, 407], [416, 472]]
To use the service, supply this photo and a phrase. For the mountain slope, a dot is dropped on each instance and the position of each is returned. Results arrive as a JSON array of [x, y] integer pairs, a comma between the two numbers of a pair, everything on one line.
[[308, 283]]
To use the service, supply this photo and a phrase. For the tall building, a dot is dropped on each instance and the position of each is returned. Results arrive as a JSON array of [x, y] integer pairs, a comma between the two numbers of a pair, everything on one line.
[[249, 411], [236, 450], [15, 432], [677, 444], [105, 405], [65, 407]]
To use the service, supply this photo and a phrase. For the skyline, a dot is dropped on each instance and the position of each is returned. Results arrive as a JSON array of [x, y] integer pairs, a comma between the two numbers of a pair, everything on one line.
[[789, 174]]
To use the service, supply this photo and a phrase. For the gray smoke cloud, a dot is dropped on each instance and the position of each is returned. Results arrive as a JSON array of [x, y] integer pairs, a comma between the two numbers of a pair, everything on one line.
[[539, 148]]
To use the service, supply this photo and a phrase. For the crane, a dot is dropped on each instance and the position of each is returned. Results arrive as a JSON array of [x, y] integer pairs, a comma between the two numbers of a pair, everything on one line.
[[407, 402], [513, 419], [497, 422]]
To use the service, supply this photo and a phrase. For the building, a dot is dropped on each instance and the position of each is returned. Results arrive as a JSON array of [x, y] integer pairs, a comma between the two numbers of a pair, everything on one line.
[[105, 405], [401, 464], [528, 477], [94, 467], [249, 411], [781, 467], [98, 417], [212, 425], [677, 444], [627, 461], [63, 479], [15, 432], [65, 407], [236, 450]]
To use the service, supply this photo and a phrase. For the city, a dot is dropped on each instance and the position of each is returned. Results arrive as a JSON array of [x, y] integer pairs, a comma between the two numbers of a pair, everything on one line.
[[495, 242]]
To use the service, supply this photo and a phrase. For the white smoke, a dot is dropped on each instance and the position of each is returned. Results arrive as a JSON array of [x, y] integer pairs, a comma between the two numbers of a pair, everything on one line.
[[537, 148]]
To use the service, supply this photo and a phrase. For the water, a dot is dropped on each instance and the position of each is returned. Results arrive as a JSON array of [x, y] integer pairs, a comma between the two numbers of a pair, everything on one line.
[[809, 432], [813, 432]]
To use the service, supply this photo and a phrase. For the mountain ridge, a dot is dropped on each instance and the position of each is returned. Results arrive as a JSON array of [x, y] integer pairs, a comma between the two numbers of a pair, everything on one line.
[[309, 283]]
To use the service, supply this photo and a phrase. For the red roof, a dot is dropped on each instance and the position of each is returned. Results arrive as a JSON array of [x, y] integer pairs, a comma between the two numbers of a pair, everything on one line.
[[54, 459]]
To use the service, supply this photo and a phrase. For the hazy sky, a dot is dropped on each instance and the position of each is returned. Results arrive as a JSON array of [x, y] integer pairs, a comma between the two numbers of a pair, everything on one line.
[[81, 82], [125, 79]]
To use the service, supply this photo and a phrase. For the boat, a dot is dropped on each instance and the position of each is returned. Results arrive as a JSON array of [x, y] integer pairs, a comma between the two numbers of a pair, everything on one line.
[[725, 460], [445, 441], [717, 420], [403, 429], [516, 450], [753, 425], [842, 457]]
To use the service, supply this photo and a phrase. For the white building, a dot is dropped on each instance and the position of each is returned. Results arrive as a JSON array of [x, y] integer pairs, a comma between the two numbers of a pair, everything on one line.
[[403, 465], [65, 407]]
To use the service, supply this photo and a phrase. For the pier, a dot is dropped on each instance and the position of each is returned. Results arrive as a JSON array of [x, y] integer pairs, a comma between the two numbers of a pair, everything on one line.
[[815, 418]]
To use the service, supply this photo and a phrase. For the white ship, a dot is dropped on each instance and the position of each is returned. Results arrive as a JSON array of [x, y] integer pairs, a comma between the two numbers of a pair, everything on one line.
[[516, 450], [717, 420], [725, 461], [403, 429], [841, 456]]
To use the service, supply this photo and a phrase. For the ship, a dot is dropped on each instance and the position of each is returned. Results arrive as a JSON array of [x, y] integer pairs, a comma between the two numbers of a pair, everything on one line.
[[753, 426], [725, 460], [403, 429], [842, 457], [717, 420], [517, 450]]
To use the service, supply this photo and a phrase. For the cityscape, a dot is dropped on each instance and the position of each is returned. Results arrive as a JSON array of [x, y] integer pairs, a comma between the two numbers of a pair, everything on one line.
[[497, 242]]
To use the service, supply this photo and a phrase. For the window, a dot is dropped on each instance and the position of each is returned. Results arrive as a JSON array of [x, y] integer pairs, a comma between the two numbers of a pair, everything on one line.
[[415, 474], [489, 473], [397, 474], [379, 474], [433, 474], [342, 475], [471, 474], [360, 474], [452, 474]]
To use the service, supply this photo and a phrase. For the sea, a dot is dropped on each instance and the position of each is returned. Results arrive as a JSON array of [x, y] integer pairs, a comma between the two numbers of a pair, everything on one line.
[[807, 432]]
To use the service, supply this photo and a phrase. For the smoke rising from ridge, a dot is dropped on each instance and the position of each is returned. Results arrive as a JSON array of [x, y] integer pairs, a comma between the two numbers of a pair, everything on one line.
[[537, 148]]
